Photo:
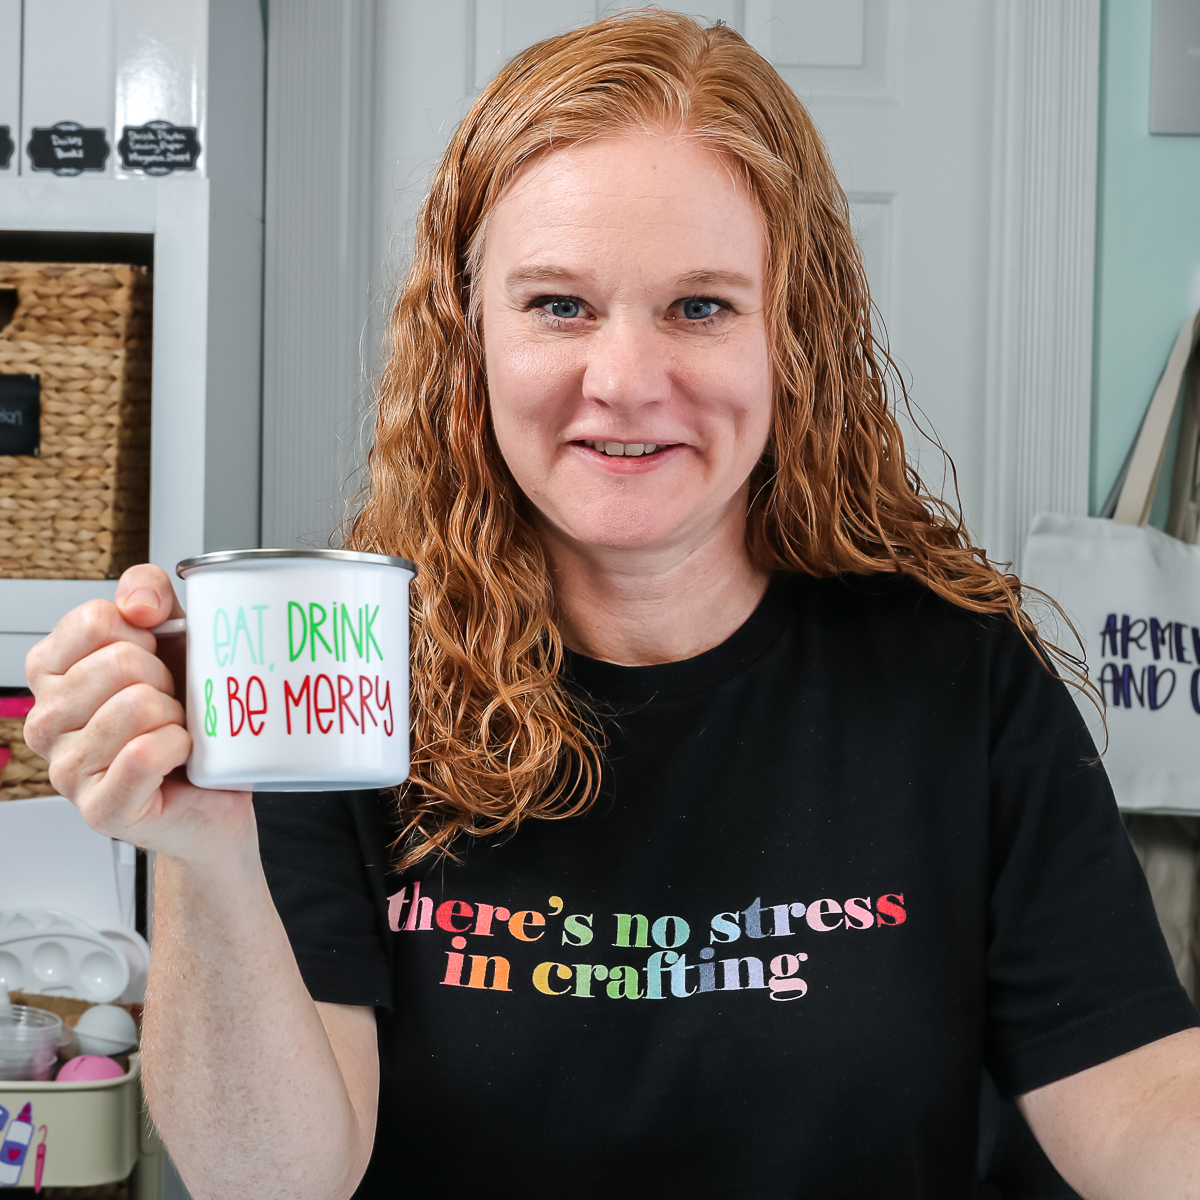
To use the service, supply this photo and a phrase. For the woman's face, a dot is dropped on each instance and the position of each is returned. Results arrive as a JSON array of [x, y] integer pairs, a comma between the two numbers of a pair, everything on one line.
[[627, 360]]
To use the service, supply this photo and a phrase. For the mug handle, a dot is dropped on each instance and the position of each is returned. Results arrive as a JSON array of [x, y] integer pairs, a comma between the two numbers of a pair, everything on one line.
[[174, 652]]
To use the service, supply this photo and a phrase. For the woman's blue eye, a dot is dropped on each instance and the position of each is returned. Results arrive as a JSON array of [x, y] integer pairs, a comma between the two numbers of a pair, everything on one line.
[[566, 310], [697, 309]]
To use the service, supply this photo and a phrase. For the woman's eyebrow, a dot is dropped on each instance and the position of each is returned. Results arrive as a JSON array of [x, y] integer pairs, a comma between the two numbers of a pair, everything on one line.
[[520, 276], [700, 279]]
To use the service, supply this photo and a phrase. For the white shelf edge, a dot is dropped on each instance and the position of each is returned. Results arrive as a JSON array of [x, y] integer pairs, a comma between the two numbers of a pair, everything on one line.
[[36, 605], [33, 204]]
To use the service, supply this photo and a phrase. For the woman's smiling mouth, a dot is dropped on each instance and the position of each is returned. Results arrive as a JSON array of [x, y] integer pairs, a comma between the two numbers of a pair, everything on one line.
[[624, 449]]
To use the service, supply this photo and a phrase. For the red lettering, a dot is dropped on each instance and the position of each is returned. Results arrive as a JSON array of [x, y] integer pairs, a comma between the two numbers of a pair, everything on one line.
[[345, 692], [386, 703], [447, 911], [364, 698], [317, 706], [891, 905], [231, 694], [454, 964], [294, 698], [252, 712]]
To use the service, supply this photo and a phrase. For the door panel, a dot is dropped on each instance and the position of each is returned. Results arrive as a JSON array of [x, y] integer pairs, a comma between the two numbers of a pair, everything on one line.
[[900, 89]]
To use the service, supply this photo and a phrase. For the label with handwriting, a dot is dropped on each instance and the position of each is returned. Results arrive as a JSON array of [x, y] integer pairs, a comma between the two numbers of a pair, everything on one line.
[[158, 148], [68, 148], [20, 414]]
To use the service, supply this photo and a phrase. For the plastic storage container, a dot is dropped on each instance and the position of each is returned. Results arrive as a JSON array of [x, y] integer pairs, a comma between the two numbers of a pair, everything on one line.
[[86, 1134], [29, 1039]]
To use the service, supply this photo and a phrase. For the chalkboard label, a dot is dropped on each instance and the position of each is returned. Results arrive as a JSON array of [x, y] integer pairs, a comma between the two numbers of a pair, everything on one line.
[[68, 149], [6, 146], [158, 148], [20, 414]]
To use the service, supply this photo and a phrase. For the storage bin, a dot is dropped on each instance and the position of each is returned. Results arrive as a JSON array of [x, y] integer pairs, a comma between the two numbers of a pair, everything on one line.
[[23, 774], [91, 1131], [80, 508]]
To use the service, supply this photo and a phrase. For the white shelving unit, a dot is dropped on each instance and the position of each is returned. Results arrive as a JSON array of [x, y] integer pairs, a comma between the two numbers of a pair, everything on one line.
[[207, 233]]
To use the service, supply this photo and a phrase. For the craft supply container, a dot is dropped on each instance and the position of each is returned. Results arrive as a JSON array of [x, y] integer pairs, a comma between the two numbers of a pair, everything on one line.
[[94, 1133]]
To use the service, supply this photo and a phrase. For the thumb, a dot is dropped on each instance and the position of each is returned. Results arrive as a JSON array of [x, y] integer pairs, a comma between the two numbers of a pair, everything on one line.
[[145, 596]]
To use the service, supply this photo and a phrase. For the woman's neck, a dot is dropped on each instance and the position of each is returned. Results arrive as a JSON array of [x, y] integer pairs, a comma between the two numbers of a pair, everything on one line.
[[638, 607]]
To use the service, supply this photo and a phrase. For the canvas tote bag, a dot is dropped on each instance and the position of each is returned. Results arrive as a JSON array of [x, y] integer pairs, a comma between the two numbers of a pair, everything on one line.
[[1133, 595]]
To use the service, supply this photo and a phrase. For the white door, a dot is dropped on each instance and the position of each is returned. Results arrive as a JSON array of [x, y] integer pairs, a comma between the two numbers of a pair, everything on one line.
[[901, 90]]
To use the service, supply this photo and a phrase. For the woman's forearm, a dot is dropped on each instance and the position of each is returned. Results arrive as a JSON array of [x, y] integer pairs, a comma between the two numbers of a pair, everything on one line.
[[240, 1075]]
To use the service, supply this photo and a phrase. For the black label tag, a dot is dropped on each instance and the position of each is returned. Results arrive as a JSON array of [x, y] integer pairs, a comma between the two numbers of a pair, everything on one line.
[[68, 149], [6, 146], [158, 148], [20, 414]]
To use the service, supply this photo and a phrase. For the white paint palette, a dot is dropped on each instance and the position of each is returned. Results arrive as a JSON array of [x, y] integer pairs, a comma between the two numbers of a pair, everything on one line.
[[54, 954]]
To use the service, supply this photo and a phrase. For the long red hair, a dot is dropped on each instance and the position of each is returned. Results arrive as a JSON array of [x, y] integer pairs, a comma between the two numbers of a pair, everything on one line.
[[497, 735]]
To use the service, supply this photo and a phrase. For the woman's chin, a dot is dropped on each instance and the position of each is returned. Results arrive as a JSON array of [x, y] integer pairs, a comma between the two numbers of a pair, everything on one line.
[[641, 530]]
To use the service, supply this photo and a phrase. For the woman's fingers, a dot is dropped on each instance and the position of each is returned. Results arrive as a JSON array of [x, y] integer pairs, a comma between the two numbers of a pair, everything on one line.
[[83, 631], [69, 701], [96, 650], [107, 720], [90, 656], [145, 596], [84, 755], [129, 792]]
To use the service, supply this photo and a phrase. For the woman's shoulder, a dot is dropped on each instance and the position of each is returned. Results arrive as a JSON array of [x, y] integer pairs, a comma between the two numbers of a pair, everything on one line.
[[899, 619], [894, 599]]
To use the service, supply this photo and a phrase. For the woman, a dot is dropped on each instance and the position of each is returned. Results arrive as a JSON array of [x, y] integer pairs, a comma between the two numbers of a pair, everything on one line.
[[828, 832]]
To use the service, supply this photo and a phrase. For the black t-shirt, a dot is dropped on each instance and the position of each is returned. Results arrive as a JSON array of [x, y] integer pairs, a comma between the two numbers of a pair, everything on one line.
[[839, 863]]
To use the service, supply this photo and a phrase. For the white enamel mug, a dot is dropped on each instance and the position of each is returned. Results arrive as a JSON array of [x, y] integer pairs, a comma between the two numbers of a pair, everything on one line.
[[297, 669]]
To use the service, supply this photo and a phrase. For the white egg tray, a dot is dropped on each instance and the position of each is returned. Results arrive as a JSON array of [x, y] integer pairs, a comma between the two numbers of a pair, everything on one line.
[[54, 954]]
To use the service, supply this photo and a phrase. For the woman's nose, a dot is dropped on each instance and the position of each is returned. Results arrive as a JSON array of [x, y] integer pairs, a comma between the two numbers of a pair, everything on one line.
[[627, 365]]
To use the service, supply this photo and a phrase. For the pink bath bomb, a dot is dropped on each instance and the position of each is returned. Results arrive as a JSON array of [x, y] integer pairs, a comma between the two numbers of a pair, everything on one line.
[[87, 1068]]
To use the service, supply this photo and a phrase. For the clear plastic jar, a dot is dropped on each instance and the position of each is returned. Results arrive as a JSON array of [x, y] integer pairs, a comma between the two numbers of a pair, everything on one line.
[[29, 1039]]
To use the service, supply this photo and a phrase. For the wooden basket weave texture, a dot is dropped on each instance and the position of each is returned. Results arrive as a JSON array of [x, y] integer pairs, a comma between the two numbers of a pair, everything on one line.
[[80, 510], [26, 774]]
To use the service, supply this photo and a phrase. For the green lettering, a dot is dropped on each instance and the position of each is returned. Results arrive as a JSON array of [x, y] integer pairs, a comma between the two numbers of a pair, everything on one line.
[[219, 642], [584, 973], [314, 629], [295, 651], [240, 626], [624, 924], [623, 983], [370, 635], [577, 929], [258, 608], [348, 632]]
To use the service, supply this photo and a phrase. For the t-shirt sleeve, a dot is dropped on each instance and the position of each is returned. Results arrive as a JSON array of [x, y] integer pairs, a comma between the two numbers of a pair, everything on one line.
[[1078, 971], [321, 854]]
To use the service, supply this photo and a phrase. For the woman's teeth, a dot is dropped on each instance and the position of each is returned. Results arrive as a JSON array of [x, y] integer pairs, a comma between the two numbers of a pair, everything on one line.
[[628, 449]]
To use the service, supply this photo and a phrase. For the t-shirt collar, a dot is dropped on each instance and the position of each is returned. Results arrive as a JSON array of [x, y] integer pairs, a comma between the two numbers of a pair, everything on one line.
[[665, 681]]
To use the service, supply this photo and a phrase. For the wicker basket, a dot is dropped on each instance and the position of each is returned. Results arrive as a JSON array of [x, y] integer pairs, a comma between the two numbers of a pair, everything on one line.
[[81, 510], [104, 1191], [24, 774]]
